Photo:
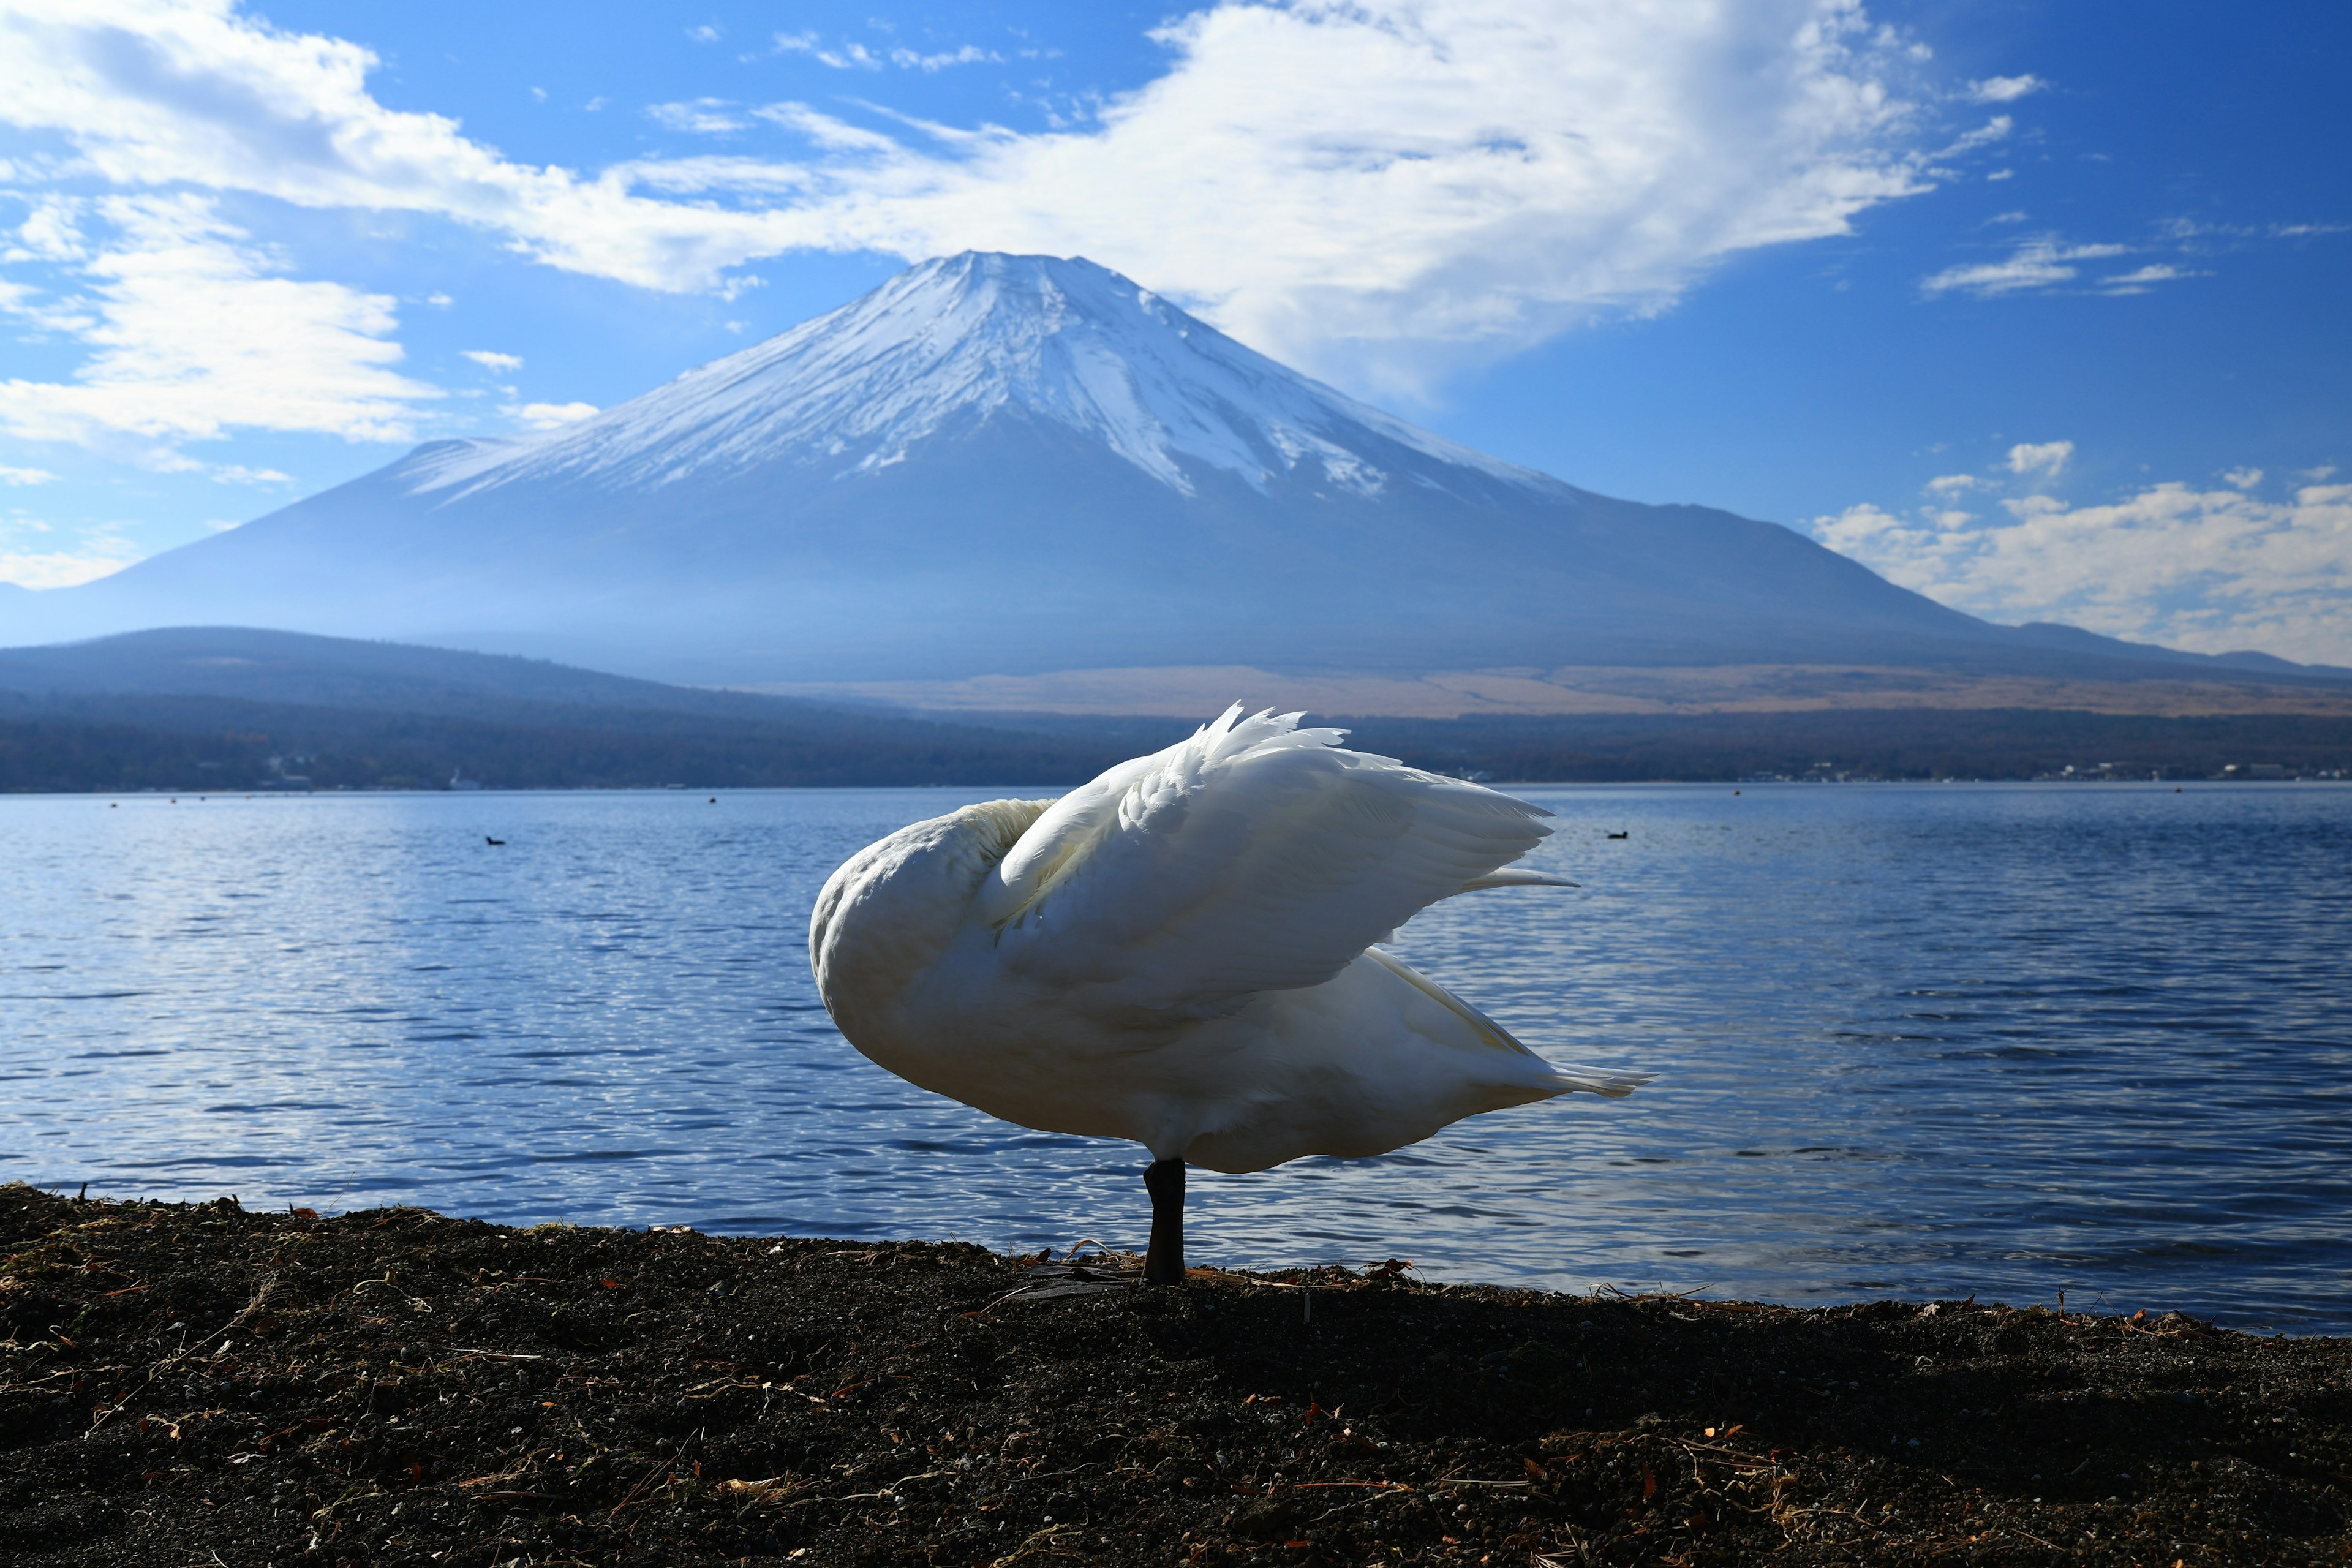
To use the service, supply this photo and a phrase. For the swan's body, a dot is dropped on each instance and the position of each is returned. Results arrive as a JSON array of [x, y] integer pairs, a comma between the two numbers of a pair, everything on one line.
[[1180, 952]]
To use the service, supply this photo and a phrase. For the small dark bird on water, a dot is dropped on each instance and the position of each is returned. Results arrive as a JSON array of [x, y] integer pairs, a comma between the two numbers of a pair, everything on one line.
[[1625, 835], [487, 839]]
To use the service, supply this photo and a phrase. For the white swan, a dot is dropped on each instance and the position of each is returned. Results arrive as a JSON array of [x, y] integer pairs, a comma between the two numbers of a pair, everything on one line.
[[1180, 953]]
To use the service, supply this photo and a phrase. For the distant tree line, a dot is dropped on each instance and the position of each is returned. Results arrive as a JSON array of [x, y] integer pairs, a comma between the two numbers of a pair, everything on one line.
[[1891, 744], [206, 744], [226, 745]]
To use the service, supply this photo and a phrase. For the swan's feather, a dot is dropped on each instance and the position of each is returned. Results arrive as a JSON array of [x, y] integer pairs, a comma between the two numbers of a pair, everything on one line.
[[1180, 953], [1254, 856]]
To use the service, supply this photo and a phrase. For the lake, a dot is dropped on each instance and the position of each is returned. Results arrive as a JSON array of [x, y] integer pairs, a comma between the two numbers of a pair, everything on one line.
[[1918, 1040]]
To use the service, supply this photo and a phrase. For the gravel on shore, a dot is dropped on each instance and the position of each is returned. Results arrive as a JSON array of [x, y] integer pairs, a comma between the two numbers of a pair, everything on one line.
[[193, 1384]]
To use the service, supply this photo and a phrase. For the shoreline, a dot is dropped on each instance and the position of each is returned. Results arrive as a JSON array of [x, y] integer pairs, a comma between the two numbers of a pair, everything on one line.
[[393, 1386]]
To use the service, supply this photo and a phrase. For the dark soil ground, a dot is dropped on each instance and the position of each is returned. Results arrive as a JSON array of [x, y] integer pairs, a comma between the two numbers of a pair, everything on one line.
[[197, 1385]]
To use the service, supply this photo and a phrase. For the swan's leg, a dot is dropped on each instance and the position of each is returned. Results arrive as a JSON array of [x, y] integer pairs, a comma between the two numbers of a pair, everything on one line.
[[1164, 1263]]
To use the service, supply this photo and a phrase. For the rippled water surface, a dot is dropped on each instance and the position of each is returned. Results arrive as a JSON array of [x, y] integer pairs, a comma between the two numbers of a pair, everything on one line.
[[1910, 1040]]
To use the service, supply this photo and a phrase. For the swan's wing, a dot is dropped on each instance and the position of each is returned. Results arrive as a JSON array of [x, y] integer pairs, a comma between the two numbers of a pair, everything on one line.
[[1254, 856]]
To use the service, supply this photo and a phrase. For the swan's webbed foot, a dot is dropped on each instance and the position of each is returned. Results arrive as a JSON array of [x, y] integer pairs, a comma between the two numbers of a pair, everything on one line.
[[1164, 1263]]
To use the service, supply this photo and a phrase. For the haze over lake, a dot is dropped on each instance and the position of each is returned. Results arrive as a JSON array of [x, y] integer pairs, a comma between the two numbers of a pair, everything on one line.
[[1914, 1040]]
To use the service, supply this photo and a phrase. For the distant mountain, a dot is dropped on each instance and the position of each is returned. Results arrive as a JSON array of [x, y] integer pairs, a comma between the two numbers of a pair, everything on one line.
[[1001, 464], [209, 708], [248, 665]]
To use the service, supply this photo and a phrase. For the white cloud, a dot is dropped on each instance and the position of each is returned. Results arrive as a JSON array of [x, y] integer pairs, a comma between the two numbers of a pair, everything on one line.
[[2036, 264], [50, 232], [439, 301], [969, 55], [702, 116], [1381, 185], [95, 558], [9, 476], [708, 33], [2211, 571], [2138, 283], [195, 332], [2005, 89], [2046, 458], [238, 474], [1999, 174], [163, 92], [1997, 129], [2244, 479], [548, 416], [1953, 484], [490, 360], [848, 57], [851, 56], [826, 131], [2047, 262]]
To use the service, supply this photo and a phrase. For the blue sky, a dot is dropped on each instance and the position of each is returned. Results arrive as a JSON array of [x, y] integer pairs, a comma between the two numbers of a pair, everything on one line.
[[2040, 308]]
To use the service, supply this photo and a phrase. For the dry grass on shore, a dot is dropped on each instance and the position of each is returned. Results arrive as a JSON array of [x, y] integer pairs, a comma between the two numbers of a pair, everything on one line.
[[185, 1384]]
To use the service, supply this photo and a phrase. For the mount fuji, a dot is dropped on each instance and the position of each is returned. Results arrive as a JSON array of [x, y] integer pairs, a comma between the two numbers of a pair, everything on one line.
[[1006, 465]]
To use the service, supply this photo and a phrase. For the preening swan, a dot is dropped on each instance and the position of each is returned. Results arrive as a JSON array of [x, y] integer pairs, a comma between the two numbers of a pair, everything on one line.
[[1180, 953]]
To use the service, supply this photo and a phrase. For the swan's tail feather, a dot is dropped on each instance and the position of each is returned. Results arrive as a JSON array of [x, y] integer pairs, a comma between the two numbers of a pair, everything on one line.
[[1594, 1080]]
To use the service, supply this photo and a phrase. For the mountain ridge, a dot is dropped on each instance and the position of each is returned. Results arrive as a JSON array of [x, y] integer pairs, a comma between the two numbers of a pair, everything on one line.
[[994, 465], [1066, 340]]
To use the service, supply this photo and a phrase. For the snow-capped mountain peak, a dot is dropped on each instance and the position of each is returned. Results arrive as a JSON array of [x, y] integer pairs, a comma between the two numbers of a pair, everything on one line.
[[965, 337]]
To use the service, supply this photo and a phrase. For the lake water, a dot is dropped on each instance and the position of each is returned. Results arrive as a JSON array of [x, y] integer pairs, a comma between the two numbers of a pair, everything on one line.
[[1916, 1040]]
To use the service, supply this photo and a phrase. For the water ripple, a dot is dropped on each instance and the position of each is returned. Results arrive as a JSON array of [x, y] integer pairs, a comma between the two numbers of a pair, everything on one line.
[[1927, 1040]]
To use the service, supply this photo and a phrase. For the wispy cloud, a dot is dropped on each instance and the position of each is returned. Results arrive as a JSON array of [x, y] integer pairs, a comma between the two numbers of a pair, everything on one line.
[[193, 330], [549, 415], [96, 557], [1997, 129], [2035, 265], [2212, 570], [2005, 89], [9, 476], [2046, 263], [2144, 279], [840, 57], [701, 117], [490, 360], [969, 55]]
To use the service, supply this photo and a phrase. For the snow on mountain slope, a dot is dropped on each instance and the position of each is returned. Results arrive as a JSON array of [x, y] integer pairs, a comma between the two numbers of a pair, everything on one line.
[[1002, 464], [1075, 343]]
